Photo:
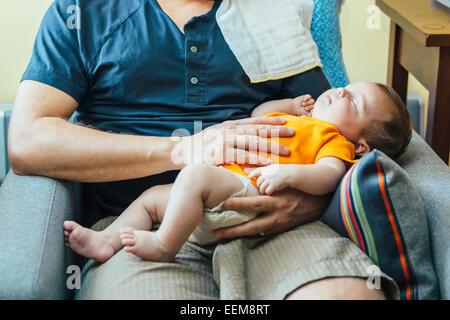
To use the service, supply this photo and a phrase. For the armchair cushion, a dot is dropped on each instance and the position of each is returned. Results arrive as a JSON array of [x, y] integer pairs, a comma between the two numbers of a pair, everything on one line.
[[431, 178], [32, 252], [379, 209]]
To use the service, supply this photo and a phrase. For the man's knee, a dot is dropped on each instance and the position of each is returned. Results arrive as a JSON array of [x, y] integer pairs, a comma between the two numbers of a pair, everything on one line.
[[337, 289]]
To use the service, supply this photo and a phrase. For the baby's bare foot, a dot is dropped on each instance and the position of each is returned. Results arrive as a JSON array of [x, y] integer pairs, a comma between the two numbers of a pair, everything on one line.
[[88, 243], [145, 245]]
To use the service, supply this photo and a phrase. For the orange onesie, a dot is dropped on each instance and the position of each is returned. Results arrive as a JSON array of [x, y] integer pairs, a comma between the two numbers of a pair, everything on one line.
[[314, 139]]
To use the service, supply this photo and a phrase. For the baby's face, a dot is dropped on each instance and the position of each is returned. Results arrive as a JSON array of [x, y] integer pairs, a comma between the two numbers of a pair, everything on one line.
[[352, 108]]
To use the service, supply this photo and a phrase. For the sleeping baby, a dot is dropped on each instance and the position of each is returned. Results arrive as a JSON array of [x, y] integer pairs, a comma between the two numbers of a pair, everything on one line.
[[330, 134]]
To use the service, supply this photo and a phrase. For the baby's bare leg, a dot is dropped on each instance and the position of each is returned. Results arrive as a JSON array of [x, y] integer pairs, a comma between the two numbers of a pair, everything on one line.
[[142, 242], [100, 246], [141, 214], [196, 187]]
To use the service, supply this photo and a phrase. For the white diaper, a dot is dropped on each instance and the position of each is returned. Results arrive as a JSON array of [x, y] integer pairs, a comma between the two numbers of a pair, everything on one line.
[[218, 217]]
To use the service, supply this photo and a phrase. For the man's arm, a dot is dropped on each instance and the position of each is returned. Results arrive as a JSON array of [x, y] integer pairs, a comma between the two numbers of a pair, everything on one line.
[[280, 212], [42, 141]]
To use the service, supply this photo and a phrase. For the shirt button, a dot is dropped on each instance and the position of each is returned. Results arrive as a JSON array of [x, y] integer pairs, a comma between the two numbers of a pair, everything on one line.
[[194, 80], [194, 49]]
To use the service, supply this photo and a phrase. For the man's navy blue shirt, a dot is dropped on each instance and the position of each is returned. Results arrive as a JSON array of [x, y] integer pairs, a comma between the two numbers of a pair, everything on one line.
[[133, 71]]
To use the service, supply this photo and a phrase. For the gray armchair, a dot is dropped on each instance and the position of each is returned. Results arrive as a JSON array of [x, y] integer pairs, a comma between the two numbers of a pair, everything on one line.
[[34, 260], [33, 256]]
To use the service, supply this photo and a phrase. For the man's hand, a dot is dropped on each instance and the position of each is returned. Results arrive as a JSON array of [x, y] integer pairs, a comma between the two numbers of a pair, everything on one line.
[[232, 141], [279, 212], [303, 105], [272, 178]]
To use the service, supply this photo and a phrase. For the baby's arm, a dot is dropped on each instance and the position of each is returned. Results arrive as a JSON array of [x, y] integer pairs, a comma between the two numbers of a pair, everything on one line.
[[298, 106], [318, 179]]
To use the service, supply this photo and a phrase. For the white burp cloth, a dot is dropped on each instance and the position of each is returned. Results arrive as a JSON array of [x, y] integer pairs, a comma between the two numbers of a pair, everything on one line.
[[218, 217], [271, 39]]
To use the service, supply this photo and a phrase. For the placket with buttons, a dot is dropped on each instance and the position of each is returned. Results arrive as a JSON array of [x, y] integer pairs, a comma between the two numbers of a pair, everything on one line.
[[195, 57]]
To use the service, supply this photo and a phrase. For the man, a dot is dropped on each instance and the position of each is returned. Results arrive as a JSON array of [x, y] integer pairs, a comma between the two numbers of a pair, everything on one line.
[[134, 71]]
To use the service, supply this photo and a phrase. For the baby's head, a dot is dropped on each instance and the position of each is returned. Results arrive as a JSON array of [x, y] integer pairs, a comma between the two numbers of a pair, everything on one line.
[[370, 115]]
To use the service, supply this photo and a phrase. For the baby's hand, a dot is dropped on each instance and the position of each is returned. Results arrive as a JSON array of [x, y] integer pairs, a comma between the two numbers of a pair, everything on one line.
[[303, 105], [270, 178]]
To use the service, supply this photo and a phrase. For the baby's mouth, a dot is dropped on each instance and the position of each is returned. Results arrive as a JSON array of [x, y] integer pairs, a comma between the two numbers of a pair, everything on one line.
[[329, 99]]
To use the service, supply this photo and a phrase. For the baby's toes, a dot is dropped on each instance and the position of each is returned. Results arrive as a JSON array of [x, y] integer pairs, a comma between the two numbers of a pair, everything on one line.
[[75, 235], [69, 226], [128, 241], [129, 245], [127, 232], [128, 237]]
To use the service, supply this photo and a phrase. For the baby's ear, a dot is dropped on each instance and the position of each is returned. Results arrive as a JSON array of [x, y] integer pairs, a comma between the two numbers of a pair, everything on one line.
[[361, 147]]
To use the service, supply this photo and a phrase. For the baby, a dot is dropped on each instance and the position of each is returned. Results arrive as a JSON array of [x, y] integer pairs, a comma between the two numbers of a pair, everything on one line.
[[329, 133]]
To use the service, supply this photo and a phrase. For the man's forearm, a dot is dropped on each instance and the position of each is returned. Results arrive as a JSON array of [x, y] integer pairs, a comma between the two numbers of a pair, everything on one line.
[[56, 148]]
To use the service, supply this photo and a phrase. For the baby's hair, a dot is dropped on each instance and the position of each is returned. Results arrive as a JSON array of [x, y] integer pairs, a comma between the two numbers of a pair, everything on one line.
[[390, 136]]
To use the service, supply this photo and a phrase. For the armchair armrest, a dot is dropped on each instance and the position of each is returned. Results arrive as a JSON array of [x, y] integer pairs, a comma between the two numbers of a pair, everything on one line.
[[431, 177], [33, 259]]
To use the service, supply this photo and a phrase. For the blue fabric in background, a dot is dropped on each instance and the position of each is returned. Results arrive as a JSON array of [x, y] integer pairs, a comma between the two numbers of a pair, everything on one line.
[[326, 31]]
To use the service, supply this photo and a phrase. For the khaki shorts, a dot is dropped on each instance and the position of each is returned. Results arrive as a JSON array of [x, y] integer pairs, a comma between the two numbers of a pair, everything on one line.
[[247, 268]]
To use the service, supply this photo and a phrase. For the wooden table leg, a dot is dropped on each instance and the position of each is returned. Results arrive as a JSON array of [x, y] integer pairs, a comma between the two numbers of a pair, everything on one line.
[[438, 120], [397, 75], [431, 66]]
